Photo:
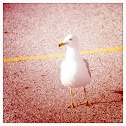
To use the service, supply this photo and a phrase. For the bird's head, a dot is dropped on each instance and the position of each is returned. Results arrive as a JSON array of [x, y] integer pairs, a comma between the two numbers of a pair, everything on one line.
[[70, 41]]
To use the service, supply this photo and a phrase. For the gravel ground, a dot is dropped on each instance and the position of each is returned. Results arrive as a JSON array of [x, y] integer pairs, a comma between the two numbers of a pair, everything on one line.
[[32, 89]]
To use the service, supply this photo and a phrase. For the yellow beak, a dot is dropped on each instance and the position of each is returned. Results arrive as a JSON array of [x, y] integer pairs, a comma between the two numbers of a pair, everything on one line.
[[61, 44]]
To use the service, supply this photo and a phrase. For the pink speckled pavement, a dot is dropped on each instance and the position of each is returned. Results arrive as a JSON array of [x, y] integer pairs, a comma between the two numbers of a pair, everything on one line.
[[32, 89]]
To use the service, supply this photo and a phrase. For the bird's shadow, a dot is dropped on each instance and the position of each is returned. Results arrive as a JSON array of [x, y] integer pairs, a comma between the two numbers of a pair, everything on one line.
[[111, 91], [107, 102]]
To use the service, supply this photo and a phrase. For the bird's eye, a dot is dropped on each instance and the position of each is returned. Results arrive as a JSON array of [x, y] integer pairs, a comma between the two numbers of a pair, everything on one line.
[[70, 39]]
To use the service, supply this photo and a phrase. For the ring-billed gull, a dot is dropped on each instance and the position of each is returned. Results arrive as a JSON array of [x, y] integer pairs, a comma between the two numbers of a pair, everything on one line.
[[75, 70]]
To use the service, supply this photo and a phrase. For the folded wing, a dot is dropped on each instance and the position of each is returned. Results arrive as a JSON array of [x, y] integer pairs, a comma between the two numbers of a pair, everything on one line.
[[87, 64]]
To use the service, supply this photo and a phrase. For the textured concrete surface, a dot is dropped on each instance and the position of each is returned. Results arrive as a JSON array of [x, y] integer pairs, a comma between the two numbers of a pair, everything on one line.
[[32, 89]]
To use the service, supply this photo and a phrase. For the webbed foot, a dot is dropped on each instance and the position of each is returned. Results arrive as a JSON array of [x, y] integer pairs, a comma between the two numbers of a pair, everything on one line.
[[87, 104], [72, 106]]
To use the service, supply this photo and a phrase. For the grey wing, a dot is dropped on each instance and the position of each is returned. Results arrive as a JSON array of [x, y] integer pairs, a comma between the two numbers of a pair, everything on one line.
[[87, 64]]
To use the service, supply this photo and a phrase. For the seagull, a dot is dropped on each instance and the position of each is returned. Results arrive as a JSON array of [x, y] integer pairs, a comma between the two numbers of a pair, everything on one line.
[[75, 72]]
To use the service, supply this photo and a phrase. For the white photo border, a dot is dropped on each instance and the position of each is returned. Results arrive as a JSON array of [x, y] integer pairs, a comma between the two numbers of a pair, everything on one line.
[[63, 1]]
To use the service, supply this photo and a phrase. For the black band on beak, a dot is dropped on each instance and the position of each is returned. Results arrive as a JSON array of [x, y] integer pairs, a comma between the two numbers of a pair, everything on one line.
[[61, 44]]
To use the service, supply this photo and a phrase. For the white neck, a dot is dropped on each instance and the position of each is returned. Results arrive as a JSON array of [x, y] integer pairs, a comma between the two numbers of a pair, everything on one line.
[[72, 53]]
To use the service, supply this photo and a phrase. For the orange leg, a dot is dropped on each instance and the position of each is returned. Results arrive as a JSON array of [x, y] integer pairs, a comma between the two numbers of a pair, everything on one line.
[[72, 104], [87, 103]]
